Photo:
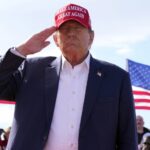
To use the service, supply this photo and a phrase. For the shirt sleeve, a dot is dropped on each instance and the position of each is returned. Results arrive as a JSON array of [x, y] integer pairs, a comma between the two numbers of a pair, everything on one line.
[[14, 51]]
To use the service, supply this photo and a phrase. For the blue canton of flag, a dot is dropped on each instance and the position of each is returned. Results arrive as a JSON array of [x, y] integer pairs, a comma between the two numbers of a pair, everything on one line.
[[139, 74]]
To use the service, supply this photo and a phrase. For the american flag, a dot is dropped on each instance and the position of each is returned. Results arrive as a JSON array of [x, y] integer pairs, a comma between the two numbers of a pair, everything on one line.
[[140, 79]]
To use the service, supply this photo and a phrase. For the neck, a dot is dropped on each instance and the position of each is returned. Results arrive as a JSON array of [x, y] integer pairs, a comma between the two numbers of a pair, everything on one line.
[[75, 60]]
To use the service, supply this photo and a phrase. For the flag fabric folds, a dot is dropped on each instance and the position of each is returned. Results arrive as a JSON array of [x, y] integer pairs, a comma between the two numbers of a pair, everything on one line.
[[140, 79], [6, 102]]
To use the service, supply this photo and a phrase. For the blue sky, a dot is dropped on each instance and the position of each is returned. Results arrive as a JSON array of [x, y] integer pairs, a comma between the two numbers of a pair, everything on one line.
[[122, 28]]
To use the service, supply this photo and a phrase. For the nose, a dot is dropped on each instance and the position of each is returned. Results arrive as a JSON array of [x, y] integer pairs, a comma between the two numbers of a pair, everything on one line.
[[71, 32]]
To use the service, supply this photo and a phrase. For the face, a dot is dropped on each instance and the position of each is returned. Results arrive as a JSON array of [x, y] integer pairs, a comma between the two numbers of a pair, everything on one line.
[[74, 40], [139, 122]]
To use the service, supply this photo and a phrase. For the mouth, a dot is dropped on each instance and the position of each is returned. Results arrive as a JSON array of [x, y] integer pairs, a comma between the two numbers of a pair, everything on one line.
[[71, 43]]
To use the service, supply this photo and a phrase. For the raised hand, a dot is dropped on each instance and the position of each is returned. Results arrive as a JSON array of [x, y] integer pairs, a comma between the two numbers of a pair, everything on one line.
[[37, 42]]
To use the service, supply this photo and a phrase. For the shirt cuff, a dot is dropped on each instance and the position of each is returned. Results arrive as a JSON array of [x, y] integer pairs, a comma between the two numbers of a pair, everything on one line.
[[14, 51]]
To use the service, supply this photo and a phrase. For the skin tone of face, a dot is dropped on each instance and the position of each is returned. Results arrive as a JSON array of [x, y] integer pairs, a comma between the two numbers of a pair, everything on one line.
[[74, 41], [140, 124]]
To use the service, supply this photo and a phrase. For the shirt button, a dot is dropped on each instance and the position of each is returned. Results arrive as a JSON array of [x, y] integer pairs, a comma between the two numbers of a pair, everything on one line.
[[72, 126]]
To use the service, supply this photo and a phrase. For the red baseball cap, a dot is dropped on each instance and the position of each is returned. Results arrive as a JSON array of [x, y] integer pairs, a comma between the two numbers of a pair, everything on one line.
[[72, 12]]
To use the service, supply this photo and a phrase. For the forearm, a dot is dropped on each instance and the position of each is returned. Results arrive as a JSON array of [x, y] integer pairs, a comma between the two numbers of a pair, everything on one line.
[[8, 66]]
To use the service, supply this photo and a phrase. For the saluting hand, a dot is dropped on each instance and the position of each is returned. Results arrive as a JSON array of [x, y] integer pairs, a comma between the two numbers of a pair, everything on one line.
[[37, 42]]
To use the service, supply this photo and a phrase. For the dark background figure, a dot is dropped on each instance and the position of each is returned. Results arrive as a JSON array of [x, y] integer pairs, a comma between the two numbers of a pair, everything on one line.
[[1, 143], [1, 131], [141, 130], [4, 138]]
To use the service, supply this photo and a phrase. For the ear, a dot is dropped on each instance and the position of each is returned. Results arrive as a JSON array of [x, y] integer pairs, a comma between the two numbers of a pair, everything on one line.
[[55, 39], [91, 37]]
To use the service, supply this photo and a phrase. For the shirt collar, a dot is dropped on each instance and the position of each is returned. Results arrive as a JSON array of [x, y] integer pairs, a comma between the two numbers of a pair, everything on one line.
[[86, 61]]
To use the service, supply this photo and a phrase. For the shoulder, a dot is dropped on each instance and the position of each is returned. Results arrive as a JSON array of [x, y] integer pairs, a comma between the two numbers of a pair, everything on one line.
[[36, 62], [109, 67], [40, 59]]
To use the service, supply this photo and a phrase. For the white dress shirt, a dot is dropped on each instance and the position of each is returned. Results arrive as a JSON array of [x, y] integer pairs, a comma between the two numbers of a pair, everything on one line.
[[64, 130]]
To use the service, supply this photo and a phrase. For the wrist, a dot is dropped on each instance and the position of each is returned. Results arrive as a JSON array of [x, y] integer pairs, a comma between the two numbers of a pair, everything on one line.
[[15, 51], [22, 50]]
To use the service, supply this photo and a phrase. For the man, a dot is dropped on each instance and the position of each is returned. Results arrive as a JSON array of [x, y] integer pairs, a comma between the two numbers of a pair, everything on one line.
[[141, 130], [74, 102]]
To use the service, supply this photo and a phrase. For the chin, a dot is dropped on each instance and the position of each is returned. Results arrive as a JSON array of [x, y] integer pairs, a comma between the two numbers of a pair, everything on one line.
[[71, 49], [71, 52]]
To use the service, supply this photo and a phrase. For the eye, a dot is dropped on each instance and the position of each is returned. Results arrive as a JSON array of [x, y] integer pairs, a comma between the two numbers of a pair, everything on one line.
[[68, 29], [63, 29]]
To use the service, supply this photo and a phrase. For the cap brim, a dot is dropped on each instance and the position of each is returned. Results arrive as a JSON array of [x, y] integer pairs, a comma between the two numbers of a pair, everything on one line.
[[75, 19]]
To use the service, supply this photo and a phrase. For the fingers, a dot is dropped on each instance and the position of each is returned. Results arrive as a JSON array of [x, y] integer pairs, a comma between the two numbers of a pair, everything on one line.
[[43, 35], [46, 43], [37, 42]]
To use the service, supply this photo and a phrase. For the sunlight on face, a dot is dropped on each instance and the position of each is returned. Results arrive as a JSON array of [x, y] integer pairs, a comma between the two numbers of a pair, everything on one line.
[[74, 39]]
